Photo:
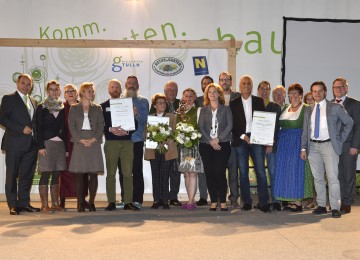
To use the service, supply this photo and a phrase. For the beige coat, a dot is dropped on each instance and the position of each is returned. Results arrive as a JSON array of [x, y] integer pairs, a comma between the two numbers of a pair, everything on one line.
[[172, 152], [86, 159]]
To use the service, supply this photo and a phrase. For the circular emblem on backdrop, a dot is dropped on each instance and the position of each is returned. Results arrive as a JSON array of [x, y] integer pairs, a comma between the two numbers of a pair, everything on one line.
[[167, 66]]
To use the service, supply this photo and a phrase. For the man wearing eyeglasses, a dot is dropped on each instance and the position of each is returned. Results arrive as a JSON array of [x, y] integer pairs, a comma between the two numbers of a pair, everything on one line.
[[325, 129], [225, 81], [351, 147], [263, 91]]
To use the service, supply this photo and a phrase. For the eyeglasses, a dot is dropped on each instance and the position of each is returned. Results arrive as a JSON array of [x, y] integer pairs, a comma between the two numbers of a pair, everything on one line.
[[222, 80], [53, 89], [264, 89], [339, 87], [70, 91], [293, 93]]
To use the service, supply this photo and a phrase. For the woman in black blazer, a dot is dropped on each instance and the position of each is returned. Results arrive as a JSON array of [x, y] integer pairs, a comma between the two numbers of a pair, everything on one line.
[[50, 133], [215, 124]]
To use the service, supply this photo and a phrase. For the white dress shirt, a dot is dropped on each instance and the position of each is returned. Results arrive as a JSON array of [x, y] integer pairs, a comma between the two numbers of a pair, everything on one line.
[[324, 131]]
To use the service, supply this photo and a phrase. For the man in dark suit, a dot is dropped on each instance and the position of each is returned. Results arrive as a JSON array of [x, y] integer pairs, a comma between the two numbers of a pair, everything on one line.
[[263, 91], [16, 115], [325, 129], [203, 190], [351, 147], [242, 109]]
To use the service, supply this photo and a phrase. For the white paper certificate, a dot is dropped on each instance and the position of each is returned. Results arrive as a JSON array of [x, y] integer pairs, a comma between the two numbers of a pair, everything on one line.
[[263, 128], [122, 113], [155, 120]]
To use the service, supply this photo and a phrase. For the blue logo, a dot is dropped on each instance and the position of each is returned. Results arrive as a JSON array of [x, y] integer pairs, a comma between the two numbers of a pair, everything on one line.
[[200, 65]]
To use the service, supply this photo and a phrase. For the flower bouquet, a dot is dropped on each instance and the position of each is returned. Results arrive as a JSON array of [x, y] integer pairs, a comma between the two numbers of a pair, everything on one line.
[[159, 133], [186, 135]]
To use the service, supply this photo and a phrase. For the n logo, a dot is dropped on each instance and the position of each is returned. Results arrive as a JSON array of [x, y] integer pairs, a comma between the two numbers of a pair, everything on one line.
[[200, 65]]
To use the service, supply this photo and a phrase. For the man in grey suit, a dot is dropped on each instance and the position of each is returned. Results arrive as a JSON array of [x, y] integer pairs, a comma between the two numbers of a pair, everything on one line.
[[351, 147], [225, 81], [325, 129], [17, 116]]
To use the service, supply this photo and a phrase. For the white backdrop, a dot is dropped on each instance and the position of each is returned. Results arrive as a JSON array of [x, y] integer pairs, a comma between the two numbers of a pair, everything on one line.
[[257, 23]]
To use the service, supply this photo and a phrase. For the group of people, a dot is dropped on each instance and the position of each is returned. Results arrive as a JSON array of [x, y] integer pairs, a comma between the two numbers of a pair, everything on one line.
[[314, 138]]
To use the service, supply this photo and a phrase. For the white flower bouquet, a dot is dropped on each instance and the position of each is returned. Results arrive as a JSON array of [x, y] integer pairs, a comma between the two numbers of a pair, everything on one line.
[[186, 135], [159, 133]]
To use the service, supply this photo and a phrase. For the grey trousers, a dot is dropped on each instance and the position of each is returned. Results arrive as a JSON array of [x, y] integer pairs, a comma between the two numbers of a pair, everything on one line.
[[323, 160]]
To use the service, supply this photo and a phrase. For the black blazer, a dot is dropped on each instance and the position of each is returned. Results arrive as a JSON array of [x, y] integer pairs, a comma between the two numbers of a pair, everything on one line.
[[14, 116], [48, 126], [239, 120]]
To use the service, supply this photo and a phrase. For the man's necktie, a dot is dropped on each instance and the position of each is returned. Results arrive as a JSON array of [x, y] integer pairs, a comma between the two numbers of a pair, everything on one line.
[[317, 122], [338, 100], [27, 104]]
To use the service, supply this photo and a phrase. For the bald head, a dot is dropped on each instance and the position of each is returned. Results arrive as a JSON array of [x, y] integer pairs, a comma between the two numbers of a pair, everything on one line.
[[114, 88]]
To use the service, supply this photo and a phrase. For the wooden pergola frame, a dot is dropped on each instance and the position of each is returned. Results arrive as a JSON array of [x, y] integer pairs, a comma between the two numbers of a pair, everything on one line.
[[231, 46]]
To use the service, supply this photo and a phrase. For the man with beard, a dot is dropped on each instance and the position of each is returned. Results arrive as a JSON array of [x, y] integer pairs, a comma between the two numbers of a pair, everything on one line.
[[225, 81], [118, 147], [141, 107]]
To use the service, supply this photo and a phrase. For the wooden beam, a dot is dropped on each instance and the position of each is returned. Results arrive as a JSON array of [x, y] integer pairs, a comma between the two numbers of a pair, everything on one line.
[[231, 46], [151, 44]]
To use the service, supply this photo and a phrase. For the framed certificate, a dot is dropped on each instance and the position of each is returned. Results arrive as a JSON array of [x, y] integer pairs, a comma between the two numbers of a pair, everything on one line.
[[122, 113], [154, 120], [263, 128]]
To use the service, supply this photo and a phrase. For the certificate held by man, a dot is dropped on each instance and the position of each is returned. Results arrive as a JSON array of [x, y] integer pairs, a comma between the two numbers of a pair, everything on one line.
[[122, 113], [263, 128]]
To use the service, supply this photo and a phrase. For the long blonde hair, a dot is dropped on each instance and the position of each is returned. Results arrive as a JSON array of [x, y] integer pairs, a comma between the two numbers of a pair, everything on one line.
[[218, 89]]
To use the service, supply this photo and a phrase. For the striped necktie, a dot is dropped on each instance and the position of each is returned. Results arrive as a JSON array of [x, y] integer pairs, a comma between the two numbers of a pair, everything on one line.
[[27, 104]]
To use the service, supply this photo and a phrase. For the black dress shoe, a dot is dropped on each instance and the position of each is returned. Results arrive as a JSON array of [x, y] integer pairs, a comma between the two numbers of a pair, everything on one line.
[[92, 207], [86, 204], [80, 207], [345, 209], [224, 209], [166, 205], [212, 209], [265, 208], [156, 205], [175, 203], [130, 206], [246, 207], [320, 211], [276, 206], [335, 213], [202, 202], [111, 207], [14, 211], [296, 209], [29, 208]]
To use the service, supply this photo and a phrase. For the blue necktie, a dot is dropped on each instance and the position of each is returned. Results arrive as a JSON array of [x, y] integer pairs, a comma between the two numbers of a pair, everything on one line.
[[317, 121]]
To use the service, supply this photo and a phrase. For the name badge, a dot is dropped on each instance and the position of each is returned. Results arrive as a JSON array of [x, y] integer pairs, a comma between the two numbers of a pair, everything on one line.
[[108, 109]]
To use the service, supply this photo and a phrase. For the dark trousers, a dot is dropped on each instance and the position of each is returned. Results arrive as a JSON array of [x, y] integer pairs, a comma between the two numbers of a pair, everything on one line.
[[160, 177], [174, 180], [19, 165], [138, 176], [347, 175], [93, 185], [215, 169]]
